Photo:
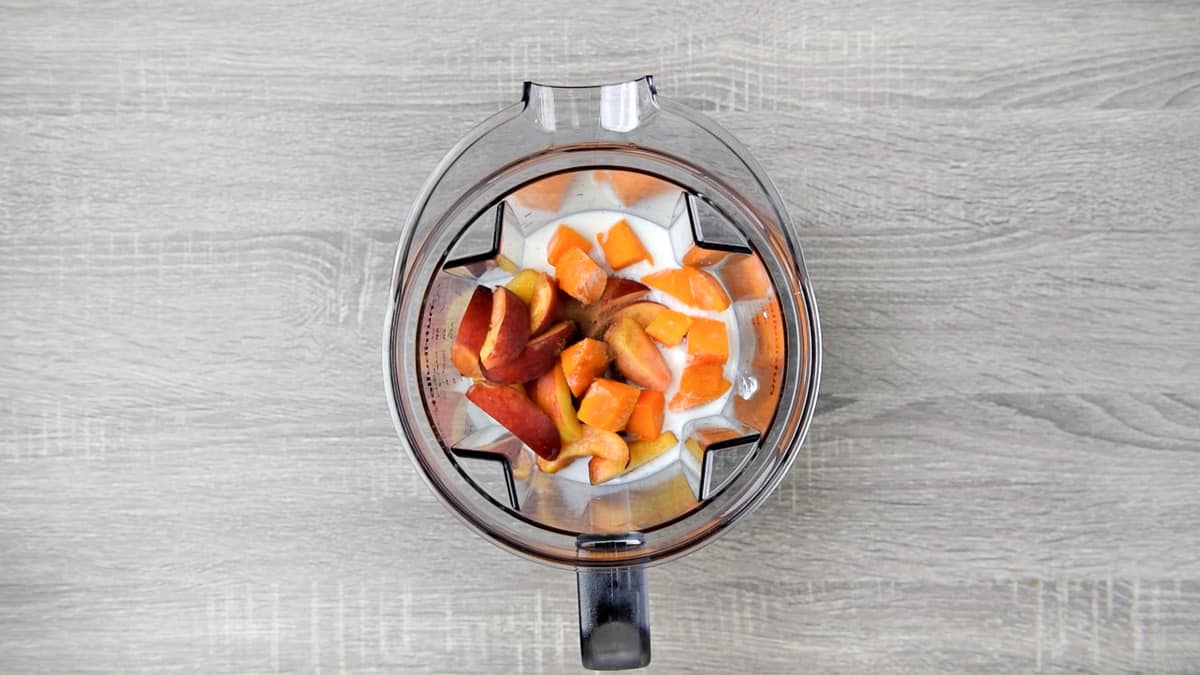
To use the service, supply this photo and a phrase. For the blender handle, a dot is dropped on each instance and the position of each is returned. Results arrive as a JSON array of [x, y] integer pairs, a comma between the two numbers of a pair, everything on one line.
[[614, 618]]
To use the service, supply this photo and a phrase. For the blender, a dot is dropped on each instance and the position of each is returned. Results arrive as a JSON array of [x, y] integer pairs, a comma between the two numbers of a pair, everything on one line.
[[562, 153]]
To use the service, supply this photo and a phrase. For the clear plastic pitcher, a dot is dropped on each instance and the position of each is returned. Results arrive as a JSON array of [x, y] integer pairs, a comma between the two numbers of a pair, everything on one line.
[[563, 153]]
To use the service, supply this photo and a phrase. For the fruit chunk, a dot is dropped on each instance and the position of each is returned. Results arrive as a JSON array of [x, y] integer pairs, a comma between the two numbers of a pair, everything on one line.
[[553, 396], [698, 385], [745, 277], [592, 442], [645, 422], [707, 292], [622, 247], [641, 452], [545, 304], [669, 327], [619, 293], [636, 356], [703, 257], [580, 277], [515, 412], [538, 356], [675, 283], [632, 186], [522, 284], [583, 362], [563, 239], [608, 404], [508, 330], [691, 286], [546, 194], [707, 341], [643, 313], [601, 470], [472, 331]]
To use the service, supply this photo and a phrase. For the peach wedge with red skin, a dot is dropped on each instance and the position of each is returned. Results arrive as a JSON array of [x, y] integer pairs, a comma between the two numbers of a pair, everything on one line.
[[595, 318], [508, 330], [553, 396], [545, 304], [636, 356], [592, 442], [472, 330], [538, 356], [521, 416]]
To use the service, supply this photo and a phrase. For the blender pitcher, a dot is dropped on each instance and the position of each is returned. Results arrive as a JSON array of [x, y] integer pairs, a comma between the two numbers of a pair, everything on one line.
[[559, 154]]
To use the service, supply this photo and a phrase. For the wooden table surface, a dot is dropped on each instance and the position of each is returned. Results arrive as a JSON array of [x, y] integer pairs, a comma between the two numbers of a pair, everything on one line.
[[199, 207]]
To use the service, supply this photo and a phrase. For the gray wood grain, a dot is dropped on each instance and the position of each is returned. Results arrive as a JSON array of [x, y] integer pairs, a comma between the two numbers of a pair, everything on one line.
[[199, 204]]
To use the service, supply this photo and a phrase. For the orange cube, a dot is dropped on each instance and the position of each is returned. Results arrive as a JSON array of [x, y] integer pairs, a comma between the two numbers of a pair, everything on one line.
[[745, 277], [621, 246], [699, 384], [583, 362], [565, 238], [632, 186], [645, 422], [579, 276], [669, 327], [707, 341], [608, 404], [675, 283], [692, 286]]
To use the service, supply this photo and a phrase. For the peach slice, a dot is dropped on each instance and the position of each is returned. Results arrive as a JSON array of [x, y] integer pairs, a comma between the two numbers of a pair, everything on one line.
[[508, 330], [583, 362], [601, 470], [515, 412], [553, 396], [592, 442], [642, 452], [631, 186], [472, 330], [580, 277], [538, 356], [595, 318], [636, 356], [546, 194], [608, 404], [698, 385], [643, 313], [522, 284], [545, 304]]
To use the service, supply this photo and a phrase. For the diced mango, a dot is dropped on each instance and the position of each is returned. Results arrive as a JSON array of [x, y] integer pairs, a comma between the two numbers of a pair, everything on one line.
[[707, 341], [608, 404], [669, 327], [579, 276], [622, 247]]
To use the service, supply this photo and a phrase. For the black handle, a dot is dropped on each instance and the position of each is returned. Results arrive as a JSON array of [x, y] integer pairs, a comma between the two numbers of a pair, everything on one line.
[[614, 618]]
